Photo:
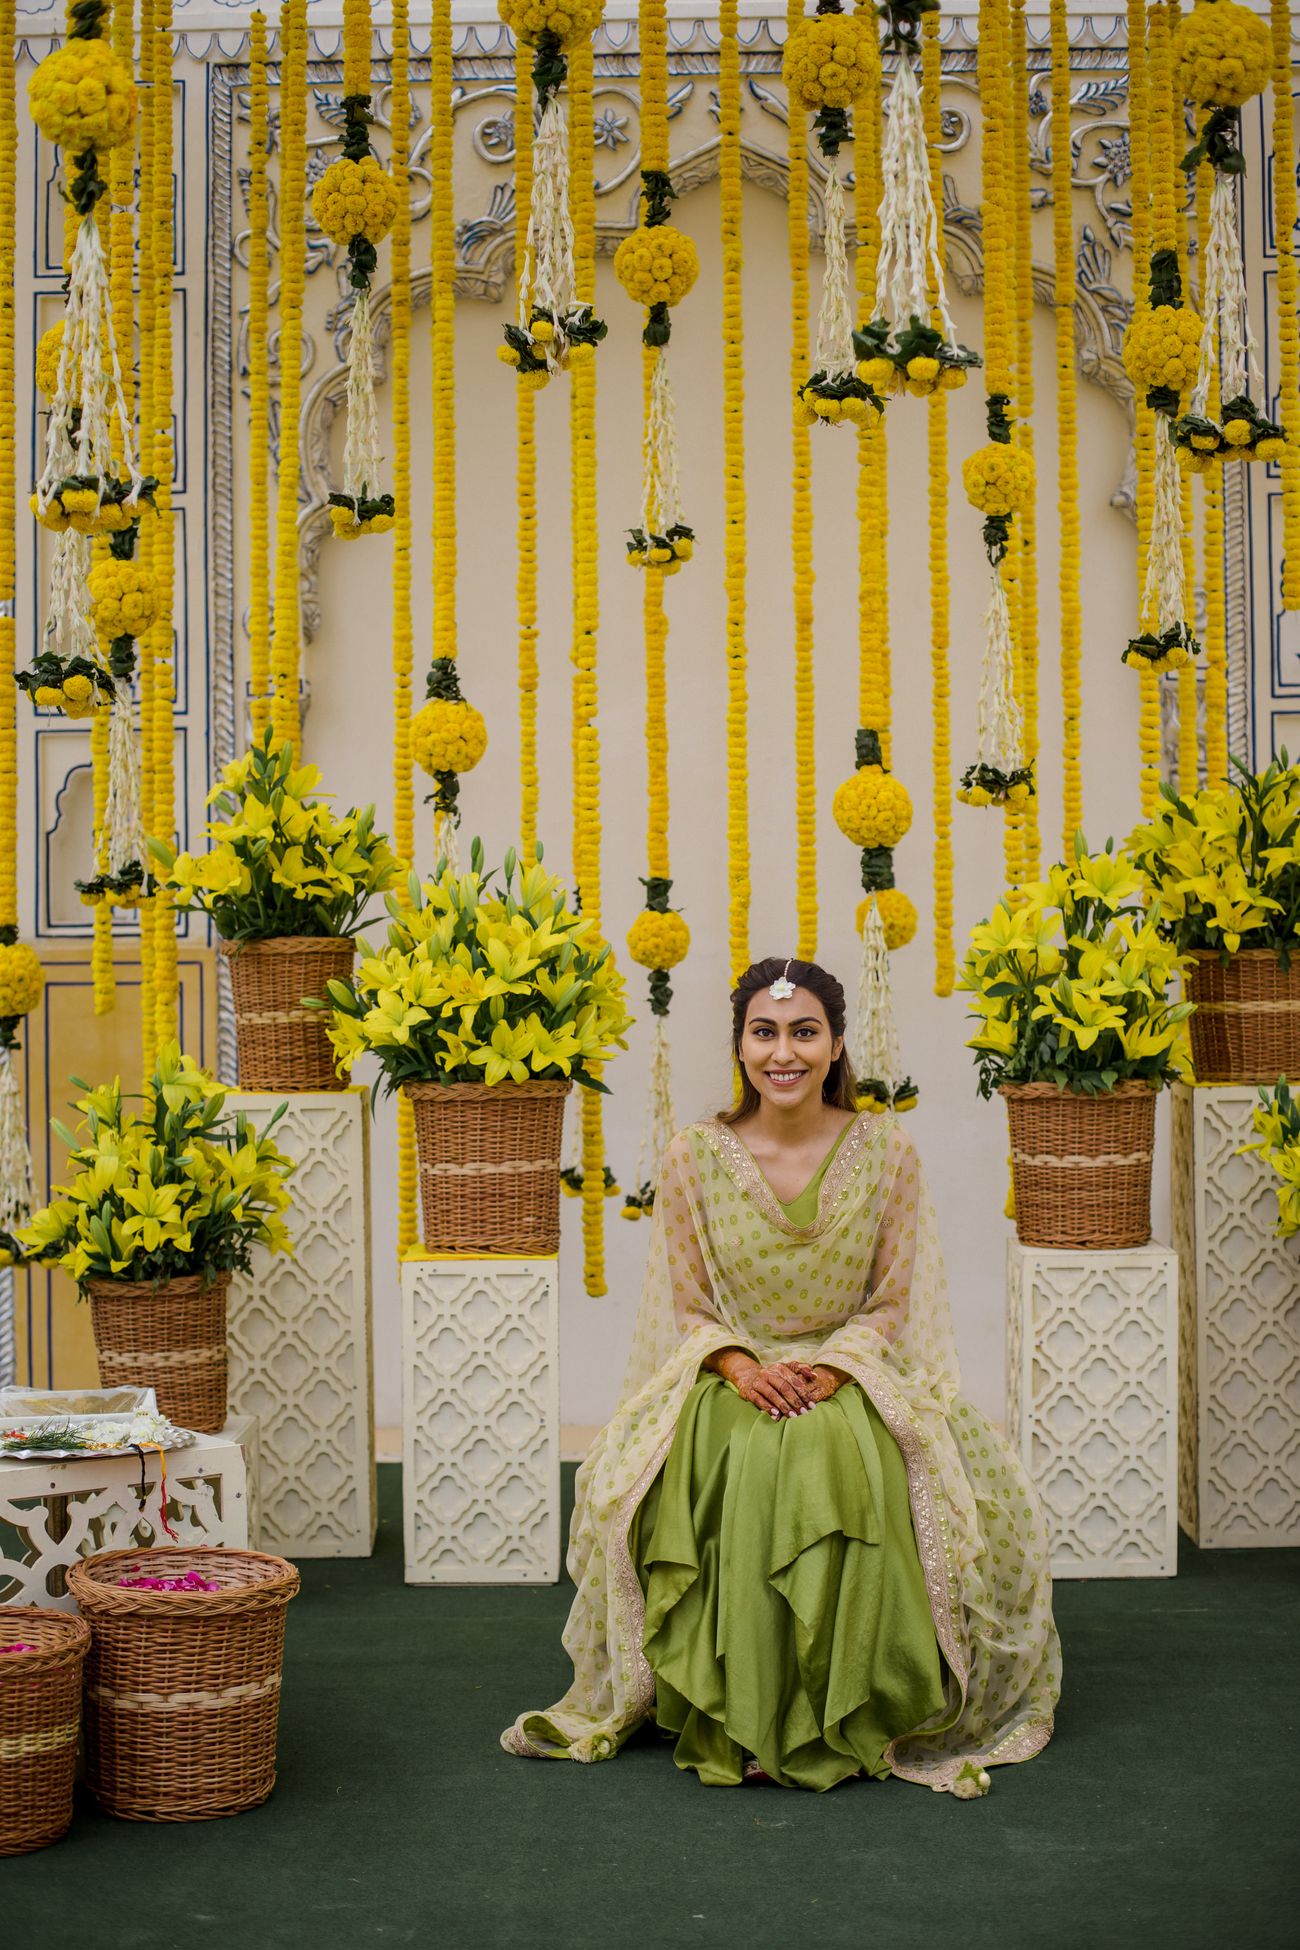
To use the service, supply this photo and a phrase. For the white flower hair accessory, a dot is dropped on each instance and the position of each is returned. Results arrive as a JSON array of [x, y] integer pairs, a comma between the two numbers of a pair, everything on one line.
[[782, 988]]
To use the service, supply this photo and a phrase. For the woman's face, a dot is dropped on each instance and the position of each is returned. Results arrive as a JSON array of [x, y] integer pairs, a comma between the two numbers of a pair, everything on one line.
[[787, 1048]]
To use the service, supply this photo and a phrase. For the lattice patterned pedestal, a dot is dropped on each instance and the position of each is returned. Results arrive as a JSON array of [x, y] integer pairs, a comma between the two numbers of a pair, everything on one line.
[[1238, 1329], [300, 1334], [1091, 1403], [52, 1513], [481, 1420]]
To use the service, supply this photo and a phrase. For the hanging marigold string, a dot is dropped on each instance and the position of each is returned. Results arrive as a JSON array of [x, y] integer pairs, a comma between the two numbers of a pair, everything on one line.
[[162, 746], [733, 470], [147, 644], [448, 735], [286, 720], [525, 485], [945, 968], [998, 477], [586, 622], [1216, 617], [1144, 418], [21, 978], [408, 1226], [1026, 844], [259, 381], [1188, 738], [801, 515], [1288, 294], [355, 204], [1069, 564]]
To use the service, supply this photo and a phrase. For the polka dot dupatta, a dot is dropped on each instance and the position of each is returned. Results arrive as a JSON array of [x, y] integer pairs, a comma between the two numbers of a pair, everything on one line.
[[862, 1288]]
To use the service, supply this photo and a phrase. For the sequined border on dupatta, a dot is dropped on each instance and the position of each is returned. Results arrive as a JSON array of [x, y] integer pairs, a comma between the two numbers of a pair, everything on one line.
[[855, 1149]]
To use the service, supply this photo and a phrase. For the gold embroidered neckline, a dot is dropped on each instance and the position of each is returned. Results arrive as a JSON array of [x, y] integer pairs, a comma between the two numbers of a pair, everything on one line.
[[745, 1168]]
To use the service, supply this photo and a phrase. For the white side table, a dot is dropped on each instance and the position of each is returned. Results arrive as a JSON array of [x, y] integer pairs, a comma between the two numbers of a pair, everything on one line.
[[52, 1513], [1092, 1403]]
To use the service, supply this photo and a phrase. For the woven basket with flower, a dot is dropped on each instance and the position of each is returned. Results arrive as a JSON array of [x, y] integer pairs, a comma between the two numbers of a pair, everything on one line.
[[1068, 979], [163, 1204], [41, 1656], [488, 1001], [286, 882]]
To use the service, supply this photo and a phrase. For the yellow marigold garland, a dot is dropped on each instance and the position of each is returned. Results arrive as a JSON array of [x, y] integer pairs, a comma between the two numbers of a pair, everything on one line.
[[259, 382], [733, 470], [1216, 618], [801, 525], [1025, 818], [1188, 733], [1069, 565], [147, 647], [525, 487], [1144, 418], [285, 648], [1288, 295], [160, 754], [408, 1225], [940, 588]]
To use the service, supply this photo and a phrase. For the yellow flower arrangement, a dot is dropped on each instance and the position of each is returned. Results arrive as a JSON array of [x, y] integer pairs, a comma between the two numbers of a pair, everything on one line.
[[656, 266], [872, 808], [447, 735], [1162, 347], [898, 916], [355, 199], [282, 863], [480, 983], [82, 508], [567, 25], [1223, 53], [734, 550], [1277, 1126], [172, 1190], [124, 598], [1068, 981], [83, 97], [830, 61], [49, 350], [658, 939], [1224, 863], [998, 478], [22, 979]]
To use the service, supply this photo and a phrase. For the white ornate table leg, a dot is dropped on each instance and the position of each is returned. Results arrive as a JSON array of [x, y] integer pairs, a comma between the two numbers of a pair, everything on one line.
[[1091, 1403], [301, 1356], [481, 1420]]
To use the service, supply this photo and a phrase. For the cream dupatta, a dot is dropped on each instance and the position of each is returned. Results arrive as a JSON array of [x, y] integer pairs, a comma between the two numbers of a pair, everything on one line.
[[863, 1289]]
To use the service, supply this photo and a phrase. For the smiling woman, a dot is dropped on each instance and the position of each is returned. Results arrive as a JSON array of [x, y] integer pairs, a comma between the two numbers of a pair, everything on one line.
[[784, 1542]]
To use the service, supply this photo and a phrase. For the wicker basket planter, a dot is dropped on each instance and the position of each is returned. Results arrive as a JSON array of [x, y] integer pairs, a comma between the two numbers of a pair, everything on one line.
[[1246, 1028], [40, 1719], [1081, 1165], [489, 1163], [282, 1045], [171, 1338], [182, 1687]]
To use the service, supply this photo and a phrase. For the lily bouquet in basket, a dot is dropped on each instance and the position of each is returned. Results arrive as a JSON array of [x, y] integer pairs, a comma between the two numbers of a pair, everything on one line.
[[1224, 863], [1068, 980], [171, 1189], [483, 980], [281, 863]]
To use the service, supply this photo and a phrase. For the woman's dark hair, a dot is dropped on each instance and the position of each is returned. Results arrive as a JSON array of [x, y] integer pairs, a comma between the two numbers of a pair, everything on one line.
[[840, 1085]]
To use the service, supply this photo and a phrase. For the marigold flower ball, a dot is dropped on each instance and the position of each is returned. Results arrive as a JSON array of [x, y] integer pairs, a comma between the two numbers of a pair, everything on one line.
[[1163, 348], [355, 199], [898, 915], [348, 528], [830, 61], [1272, 447], [872, 808], [656, 266], [47, 696], [998, 478], [448, 735], [49, 350], [81, 509], [1224, 54], [881, 374], [22, 979], [1238, 433], [657, 940], [124, 598], [79, 696], [571, 23], [83, 97]]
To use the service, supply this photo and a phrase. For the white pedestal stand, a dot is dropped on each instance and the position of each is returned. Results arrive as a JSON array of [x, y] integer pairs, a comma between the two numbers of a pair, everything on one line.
[[65, 1510], [300, 1333], [1092, 1406], [1238, 1329], [481, 1419]]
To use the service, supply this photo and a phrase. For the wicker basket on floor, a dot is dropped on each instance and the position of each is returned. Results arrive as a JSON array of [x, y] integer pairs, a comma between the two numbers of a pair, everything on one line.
[[40, 1719], [282, 1045], [182, 1687], [171, 1338], [1081, 1165], [489, 1163], [1246, 1025]]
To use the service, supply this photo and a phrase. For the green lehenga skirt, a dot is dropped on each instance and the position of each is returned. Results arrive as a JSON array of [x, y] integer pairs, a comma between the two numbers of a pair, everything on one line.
[[786, 1611]]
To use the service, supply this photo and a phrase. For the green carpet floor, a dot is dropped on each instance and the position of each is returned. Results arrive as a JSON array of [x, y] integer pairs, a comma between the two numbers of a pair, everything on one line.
[[1164, 1812]]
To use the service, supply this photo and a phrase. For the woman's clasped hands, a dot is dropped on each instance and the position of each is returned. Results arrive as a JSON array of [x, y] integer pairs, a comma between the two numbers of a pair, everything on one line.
[[783, 1388]]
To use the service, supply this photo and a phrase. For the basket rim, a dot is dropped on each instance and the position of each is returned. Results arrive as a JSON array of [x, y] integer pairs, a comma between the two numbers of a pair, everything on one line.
[[184, 1286], [1221, 960], [425, 1088], [271, 944], [93, 1583], [72, 1634], [1127, 1087]]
